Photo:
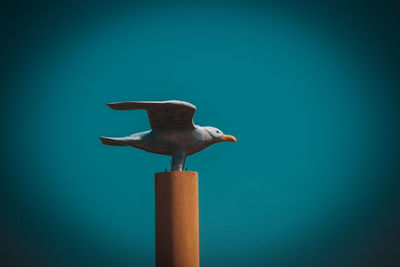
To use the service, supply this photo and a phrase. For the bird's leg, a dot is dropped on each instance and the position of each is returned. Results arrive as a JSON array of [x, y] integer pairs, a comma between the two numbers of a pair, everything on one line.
[[178, 161]]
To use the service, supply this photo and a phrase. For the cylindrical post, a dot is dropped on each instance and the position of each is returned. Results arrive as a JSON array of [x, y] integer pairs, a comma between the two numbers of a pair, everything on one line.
[[177, 219]]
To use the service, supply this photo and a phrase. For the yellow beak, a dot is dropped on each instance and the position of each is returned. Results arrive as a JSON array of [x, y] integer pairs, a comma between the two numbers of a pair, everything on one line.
[[228, 138]]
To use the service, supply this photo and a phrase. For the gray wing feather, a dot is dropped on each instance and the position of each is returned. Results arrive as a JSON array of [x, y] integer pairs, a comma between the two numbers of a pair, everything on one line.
[[172, 114]]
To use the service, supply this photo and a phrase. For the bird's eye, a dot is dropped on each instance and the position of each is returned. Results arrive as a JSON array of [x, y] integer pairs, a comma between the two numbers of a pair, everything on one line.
[[217, 132]]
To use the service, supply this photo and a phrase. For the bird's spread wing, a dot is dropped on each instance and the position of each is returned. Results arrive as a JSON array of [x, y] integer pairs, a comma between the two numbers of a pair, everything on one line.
[[171, 114]]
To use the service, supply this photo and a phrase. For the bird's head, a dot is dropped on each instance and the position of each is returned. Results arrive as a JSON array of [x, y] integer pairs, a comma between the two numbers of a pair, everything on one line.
[[218, 136]]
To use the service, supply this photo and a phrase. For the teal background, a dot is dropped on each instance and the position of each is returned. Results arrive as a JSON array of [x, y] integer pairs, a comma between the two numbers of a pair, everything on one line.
[[309, 90]]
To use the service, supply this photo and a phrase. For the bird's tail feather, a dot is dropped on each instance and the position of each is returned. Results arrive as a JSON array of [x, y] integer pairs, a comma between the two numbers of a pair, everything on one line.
[[114, 141]]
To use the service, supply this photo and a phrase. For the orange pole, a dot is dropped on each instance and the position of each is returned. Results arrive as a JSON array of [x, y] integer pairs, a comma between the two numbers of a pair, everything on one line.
[[177, 219]]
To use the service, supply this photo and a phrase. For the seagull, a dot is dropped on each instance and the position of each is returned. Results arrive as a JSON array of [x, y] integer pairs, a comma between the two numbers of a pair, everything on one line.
[[173, 131]]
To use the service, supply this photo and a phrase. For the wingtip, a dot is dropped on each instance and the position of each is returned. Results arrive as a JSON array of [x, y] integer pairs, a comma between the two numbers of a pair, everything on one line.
[[118, 105]]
